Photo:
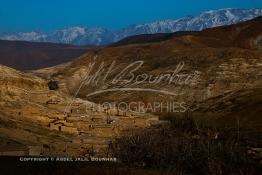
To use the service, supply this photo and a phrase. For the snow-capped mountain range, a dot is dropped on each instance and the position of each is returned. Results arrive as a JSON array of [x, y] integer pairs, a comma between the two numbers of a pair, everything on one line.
[[99, 36]]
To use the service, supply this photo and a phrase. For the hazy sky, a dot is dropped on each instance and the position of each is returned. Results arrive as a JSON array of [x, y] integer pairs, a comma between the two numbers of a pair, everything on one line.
[[47, 15]]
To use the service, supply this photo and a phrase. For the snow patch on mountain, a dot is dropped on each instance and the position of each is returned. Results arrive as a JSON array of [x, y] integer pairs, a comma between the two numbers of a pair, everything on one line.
[[99, 36], [27, 36]]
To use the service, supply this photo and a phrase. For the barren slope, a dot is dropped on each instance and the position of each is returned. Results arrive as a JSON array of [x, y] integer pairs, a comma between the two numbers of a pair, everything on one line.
[[215, 61]]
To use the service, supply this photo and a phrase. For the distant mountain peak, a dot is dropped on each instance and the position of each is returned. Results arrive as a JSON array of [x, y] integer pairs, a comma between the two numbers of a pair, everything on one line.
[[79, 35]]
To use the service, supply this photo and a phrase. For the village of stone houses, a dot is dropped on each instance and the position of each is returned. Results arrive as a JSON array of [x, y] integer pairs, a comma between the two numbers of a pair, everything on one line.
[[40, 121]]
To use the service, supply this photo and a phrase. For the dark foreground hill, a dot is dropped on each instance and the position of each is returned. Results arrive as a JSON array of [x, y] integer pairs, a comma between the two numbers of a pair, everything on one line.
[[29, 55]]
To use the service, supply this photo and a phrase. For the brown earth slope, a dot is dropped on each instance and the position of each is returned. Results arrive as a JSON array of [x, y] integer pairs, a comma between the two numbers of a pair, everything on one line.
[[240, 108], [33, 116], [29, 55], [216, 61]]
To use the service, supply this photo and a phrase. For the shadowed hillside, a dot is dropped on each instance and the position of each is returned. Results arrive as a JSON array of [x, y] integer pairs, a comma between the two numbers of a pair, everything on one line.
[[29, 55], [233, 108]]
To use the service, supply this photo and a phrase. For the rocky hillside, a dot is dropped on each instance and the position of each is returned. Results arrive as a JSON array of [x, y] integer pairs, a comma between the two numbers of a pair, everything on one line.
[[203, 65], [23, 112], [37, 118], [233, 108]]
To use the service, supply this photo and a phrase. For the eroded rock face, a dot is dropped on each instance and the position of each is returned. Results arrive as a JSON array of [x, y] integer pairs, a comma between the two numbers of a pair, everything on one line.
[[23, 114], [15, 84]]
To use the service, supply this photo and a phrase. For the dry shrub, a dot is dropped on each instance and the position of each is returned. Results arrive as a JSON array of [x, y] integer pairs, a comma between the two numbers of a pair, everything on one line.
[[187, 146]]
